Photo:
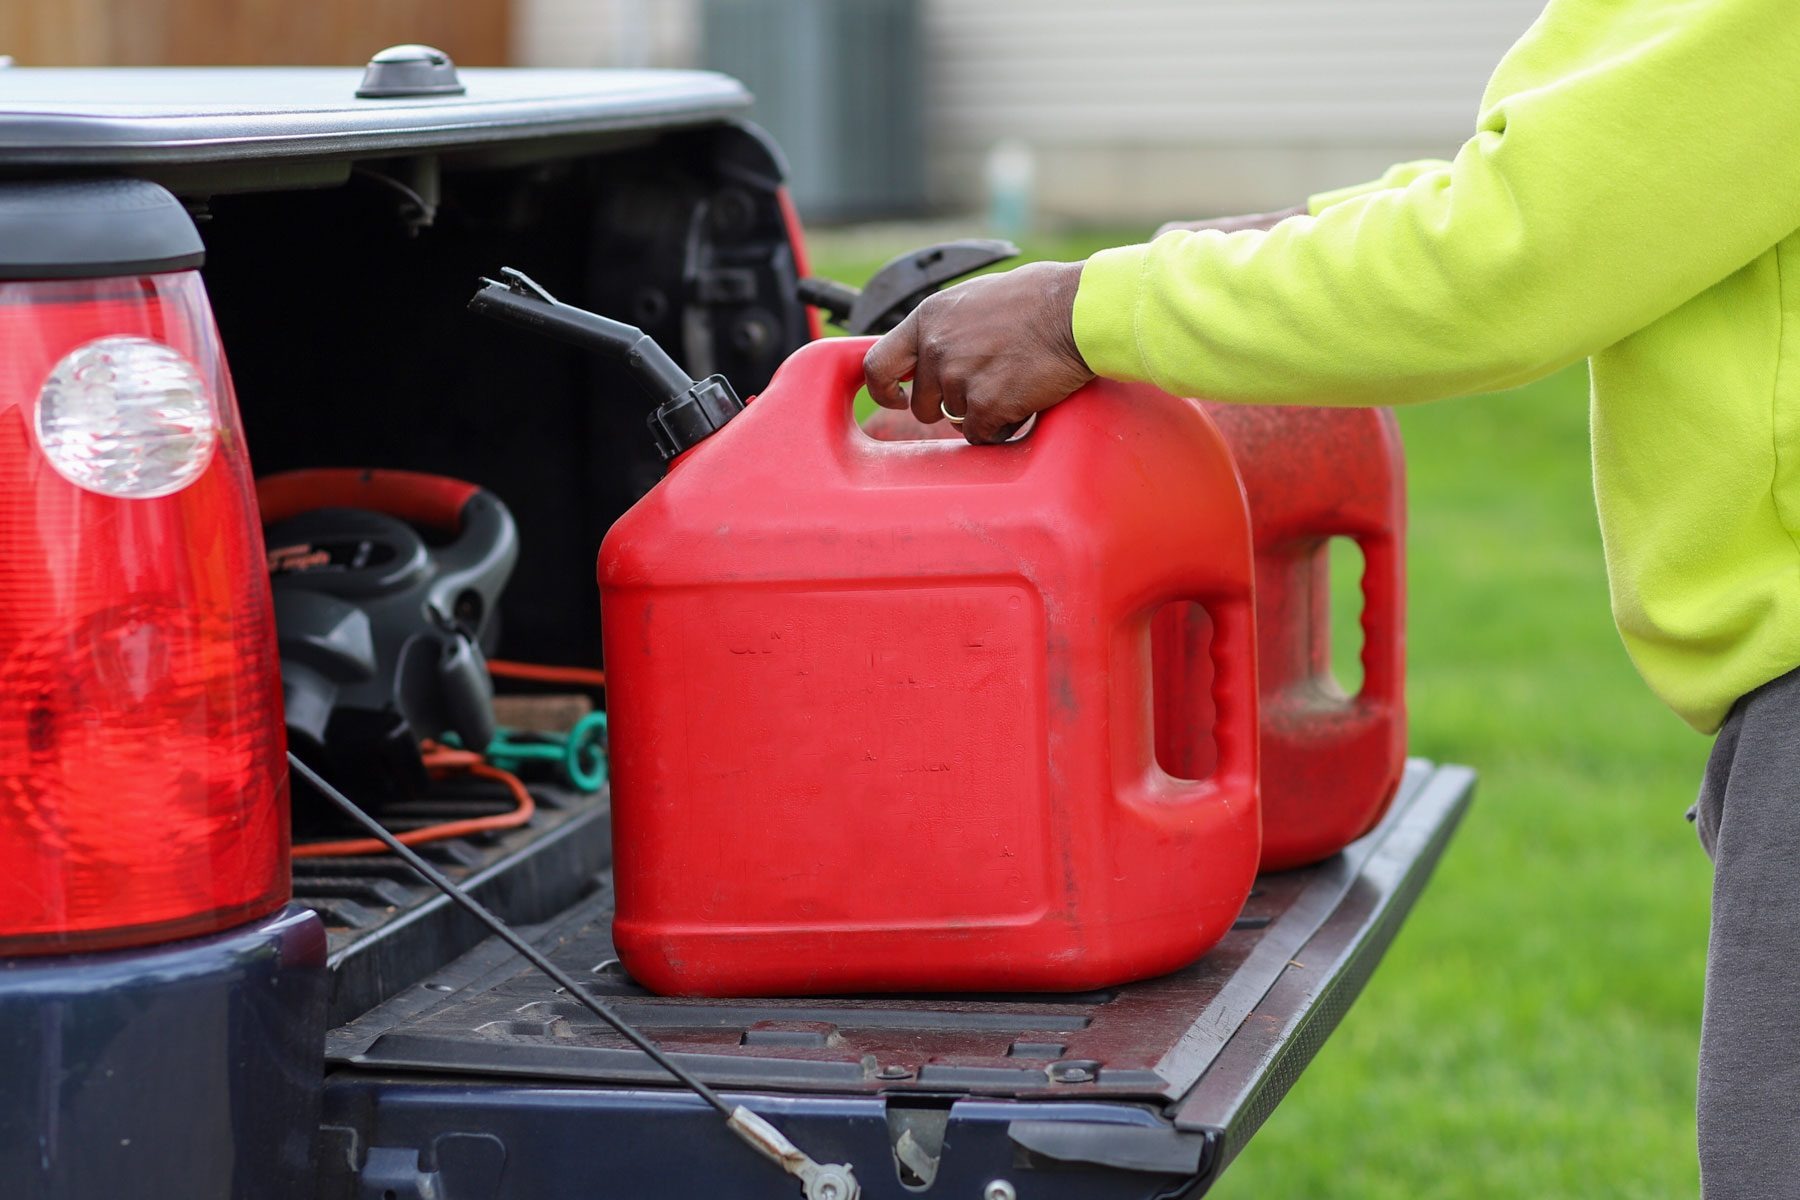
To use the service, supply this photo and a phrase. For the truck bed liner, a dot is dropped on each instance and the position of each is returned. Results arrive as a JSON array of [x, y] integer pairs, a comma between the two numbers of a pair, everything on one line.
[[1224, 1037], [386, 927]]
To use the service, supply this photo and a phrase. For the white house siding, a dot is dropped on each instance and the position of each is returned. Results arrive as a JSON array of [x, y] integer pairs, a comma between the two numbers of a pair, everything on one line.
[[1141, 109], [605, 33]]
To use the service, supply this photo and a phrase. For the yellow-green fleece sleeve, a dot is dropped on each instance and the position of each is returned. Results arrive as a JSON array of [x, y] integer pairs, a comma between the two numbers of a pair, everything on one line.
[[1397, 176], [1630, 154]]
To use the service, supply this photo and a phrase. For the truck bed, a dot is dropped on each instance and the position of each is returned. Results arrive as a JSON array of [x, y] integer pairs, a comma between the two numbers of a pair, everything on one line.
[[1192, 1062]]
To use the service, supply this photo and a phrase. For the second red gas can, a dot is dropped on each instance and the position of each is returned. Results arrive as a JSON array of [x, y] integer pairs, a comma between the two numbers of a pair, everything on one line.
[[880, 711], [1330, 762]]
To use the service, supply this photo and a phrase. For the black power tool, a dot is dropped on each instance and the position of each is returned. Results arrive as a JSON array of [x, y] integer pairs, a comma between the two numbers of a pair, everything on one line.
[[387, 587]]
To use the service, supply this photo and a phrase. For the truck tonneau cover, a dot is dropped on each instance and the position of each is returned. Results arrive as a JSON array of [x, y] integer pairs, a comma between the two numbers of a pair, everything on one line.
[[132, 118], [1217, 1037]]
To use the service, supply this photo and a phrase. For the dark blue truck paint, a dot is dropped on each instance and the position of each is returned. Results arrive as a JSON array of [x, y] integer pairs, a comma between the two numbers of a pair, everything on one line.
[[183, 1071], [420, 1139]]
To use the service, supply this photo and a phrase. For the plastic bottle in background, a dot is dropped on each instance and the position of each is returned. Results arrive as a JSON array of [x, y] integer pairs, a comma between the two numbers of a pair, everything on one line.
[[1010, 173]]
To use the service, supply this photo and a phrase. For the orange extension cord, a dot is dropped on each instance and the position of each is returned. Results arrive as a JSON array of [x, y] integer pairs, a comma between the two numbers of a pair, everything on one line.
[[499, 668], [442, 761]]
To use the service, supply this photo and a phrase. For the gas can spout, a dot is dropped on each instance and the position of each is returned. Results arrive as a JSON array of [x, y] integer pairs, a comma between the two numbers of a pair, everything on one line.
[[688, 410], [516, 299]]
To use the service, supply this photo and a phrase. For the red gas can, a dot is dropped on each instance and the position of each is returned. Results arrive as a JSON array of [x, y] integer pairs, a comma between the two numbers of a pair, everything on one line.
[[1330, 762], [880, 710]]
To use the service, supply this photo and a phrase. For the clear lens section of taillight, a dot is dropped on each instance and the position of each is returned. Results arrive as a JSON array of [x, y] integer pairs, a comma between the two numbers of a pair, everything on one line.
[[143, 787], [126, 416]]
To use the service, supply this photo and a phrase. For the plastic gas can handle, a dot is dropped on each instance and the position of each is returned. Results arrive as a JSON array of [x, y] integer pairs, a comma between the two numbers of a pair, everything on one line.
[[1384, 597], [828, 373], [1235, 695], [841, 360], [1220, 579], [837, 364]]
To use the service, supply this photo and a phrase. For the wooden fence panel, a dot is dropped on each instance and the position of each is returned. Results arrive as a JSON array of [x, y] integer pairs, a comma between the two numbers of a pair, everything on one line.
[[43, 33]]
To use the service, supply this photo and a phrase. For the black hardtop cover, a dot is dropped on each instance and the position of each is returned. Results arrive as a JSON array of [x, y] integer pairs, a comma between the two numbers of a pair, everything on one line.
[[89, 228], [141, 118]]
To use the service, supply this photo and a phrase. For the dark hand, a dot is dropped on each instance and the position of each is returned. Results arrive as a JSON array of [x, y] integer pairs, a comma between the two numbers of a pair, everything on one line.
[[1234, 224], [993, 351]]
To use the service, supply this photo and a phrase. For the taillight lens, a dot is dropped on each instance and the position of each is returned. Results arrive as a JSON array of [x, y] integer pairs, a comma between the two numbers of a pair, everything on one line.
[[127, 416], [796, 233], [143, 781]]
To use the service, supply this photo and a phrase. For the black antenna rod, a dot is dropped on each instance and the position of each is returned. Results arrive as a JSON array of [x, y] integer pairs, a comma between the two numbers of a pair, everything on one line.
[[828, 1181]]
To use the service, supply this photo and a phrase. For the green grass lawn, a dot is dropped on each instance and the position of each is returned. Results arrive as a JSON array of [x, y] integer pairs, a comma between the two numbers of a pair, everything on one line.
[[1532, 1032]]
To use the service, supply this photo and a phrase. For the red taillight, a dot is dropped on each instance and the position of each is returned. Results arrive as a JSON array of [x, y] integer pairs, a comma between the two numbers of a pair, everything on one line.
[[790, 217], [143, 783]]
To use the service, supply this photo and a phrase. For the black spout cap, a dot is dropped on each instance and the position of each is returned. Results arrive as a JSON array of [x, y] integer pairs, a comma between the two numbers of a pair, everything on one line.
[[691, 418]]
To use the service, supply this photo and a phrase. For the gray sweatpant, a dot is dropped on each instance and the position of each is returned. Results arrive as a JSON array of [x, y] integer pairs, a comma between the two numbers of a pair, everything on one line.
[[1748, 817]]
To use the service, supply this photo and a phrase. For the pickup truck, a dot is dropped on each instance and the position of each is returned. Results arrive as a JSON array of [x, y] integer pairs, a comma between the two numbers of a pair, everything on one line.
[[361, 1036]]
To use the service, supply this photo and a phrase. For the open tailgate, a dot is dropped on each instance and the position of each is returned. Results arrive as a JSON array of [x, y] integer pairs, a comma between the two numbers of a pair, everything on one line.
[[1161, 1081]]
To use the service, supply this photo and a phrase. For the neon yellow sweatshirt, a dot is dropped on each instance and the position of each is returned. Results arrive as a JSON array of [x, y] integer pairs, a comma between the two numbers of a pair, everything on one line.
[[1632, 196]]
